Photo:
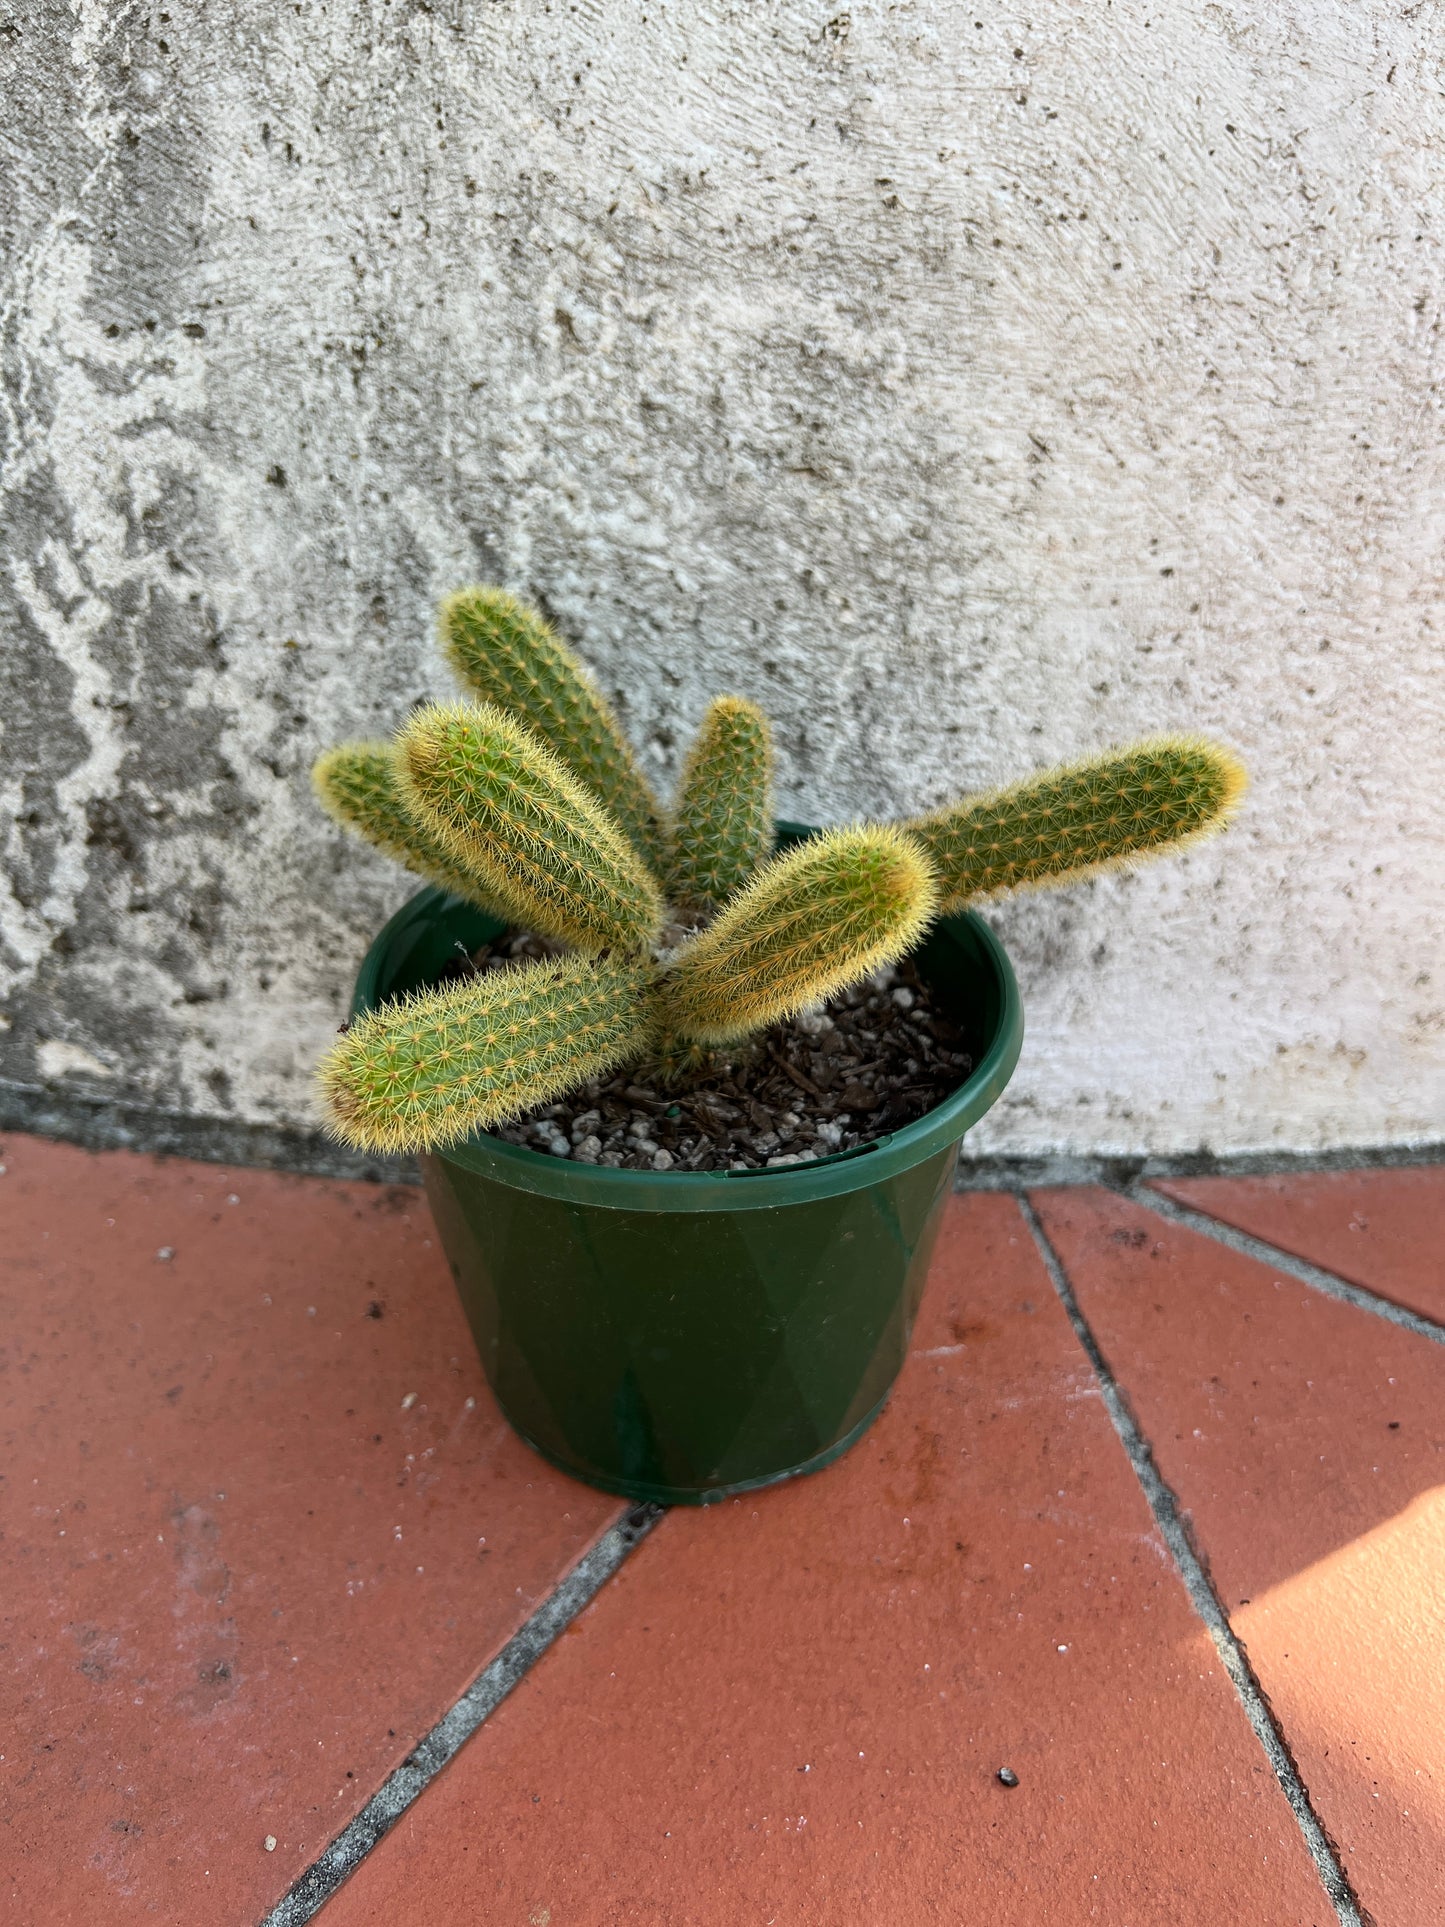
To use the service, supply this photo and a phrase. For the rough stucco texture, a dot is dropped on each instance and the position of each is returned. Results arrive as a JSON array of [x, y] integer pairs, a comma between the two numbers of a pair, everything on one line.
[[970, 395]]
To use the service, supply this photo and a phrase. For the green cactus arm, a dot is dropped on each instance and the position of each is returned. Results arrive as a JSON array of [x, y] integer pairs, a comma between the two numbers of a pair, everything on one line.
[[815, 920], [433, 1067], [356, 784], [723, 826], [506, 654], [1112, 811], [497, 799]]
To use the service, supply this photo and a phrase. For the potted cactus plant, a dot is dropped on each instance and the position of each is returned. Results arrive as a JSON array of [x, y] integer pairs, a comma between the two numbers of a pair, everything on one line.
[[677, 1329]]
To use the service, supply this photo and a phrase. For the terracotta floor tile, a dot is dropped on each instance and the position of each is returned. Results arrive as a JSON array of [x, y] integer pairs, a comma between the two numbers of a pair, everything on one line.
[[1306, 1440], [261, 1524], [1384, 1230], [793, 1707]]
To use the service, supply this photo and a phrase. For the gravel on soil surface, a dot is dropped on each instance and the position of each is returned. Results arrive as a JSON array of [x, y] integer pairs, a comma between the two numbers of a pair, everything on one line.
[[873, 1059]]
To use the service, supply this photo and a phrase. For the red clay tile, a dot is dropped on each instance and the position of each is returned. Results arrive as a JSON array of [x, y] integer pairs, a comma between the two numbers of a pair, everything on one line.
[[794, 1707], [1307, 1441], [1379, 1229], [262, 1523]]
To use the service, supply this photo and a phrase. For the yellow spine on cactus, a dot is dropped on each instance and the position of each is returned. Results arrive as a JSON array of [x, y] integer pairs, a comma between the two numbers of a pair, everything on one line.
[[507, 654], [357, 786], [723, 825], [815, 920], [495, 797], [430, 1069], [1107, 813]]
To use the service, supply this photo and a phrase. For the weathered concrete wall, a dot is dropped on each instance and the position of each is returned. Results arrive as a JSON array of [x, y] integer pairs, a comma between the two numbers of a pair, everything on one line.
[[970, 394]]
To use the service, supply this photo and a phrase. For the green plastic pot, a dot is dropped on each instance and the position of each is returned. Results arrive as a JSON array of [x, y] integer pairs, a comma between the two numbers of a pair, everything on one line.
[[678, 1337]]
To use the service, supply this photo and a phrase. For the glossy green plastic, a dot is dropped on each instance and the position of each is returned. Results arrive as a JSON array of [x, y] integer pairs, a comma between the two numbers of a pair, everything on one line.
[[678, 1337]]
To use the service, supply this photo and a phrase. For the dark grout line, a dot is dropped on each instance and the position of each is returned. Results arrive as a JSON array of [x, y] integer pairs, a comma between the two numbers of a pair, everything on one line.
[[516, 1659], [1063, 1168], [1315, 1276], [1205, 1600]]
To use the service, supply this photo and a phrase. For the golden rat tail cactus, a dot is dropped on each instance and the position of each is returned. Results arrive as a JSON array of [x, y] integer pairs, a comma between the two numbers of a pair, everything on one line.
[[723, 828], [498, 800], [529, 803], [356, 784], [435, 1067], [1103, 814], [814, 921], [510, 656]]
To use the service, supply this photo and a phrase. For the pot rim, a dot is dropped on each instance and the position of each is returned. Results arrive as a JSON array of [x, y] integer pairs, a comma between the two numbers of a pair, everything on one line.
[[603, 1186]]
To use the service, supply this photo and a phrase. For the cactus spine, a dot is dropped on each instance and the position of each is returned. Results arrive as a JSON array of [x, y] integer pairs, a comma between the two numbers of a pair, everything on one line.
[[723, 828], [1111, 811], [817, 919], [506, 654], [494, 796], [356, 784], [428, 1070]]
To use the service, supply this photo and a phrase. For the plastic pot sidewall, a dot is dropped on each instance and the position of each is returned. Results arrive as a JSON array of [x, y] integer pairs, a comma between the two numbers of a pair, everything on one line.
[[676, 1337]]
